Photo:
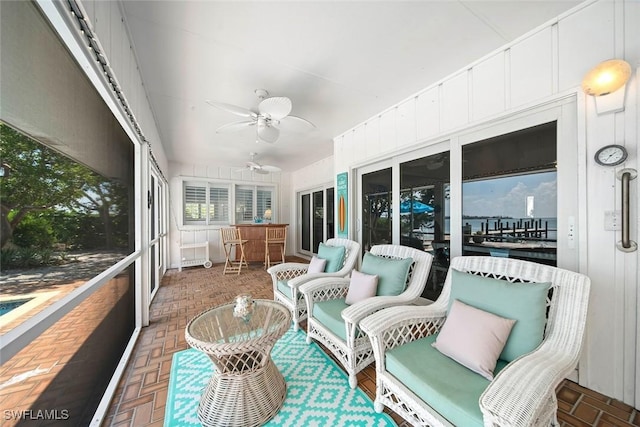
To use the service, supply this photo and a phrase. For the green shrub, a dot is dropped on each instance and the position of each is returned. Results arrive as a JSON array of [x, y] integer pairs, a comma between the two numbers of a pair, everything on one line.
[[8, 258], [34, 231], [26, 258]]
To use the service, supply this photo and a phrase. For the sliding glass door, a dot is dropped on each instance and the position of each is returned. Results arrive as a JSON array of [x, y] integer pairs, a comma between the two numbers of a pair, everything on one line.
[[377, 218], [316, 218], [157, 230], [509, 195], [425, 212]]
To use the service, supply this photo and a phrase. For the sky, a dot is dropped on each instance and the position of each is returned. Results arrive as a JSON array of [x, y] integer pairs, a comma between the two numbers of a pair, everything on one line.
[[508, 196]]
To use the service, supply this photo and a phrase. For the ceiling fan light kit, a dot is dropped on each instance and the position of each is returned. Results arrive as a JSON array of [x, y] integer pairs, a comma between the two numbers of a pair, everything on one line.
[[271, 111]]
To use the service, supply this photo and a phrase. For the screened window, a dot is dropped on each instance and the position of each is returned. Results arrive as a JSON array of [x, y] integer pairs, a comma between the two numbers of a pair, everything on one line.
[[205, 203], [78, 166]]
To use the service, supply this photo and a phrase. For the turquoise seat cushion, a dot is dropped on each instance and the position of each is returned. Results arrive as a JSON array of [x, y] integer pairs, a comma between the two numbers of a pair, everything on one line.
[[444, 384], [523, 302], [334, 256], [329, 314], [392, 273], [285, 289]]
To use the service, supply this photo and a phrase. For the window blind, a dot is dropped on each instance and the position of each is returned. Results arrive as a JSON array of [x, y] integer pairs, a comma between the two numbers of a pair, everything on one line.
[[195, 203], [263, 202], [218, 204], [244, 205]]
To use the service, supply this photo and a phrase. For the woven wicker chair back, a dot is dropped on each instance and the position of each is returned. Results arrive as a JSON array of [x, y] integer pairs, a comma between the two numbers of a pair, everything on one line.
[[352, 250], [419, 270], [565, 285]]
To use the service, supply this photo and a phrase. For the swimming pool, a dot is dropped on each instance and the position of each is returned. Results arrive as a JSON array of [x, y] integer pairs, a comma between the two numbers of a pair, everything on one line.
[[7, 306]]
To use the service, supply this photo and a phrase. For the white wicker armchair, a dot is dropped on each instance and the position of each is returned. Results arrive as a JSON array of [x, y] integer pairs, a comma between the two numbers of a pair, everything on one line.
[[523, 392], [288, 277], [355, 353]]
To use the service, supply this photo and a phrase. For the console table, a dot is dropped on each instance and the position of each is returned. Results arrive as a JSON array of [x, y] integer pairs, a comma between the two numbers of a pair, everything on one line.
[[255, 235]]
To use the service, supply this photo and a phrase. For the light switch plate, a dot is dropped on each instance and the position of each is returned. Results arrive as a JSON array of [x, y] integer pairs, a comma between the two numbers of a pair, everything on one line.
[[571, 232], [612, 220]]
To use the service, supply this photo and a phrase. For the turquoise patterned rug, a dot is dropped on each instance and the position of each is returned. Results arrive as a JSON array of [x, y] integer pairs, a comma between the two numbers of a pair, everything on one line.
[[318, 392]]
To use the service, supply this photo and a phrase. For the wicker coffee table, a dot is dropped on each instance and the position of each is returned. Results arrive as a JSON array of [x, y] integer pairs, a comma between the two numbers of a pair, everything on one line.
[[246, 388]]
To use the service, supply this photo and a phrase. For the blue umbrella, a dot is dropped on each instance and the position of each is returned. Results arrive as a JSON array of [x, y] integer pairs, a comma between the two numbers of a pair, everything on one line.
[[415, 206]]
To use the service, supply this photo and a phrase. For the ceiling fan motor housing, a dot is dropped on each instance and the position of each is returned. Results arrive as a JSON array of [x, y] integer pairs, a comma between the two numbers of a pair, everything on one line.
[[270, 112]]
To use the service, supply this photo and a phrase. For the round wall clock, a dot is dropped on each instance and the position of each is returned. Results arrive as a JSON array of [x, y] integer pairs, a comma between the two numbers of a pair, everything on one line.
[[611, 155]]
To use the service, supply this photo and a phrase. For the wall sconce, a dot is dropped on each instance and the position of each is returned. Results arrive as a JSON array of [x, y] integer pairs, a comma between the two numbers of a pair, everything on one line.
[[606, 82]]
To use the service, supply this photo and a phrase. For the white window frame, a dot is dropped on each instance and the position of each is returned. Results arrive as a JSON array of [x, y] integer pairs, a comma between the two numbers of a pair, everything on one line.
[[208, 186], [254, 203], [231, 187]]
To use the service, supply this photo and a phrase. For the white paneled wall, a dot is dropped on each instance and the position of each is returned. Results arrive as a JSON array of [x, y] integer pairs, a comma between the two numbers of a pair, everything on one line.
[[530, 76], [488, 100], [106, 20], [455, 102], [199, 233], [406, 122], [318, 173], [428, 113], [542, 66]]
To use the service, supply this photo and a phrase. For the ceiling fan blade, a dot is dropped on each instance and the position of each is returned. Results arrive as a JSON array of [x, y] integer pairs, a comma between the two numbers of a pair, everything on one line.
[[276, 107], [297, 119], [240, 111], [232, 127], [270, 168], [261, 171], [268, 133]]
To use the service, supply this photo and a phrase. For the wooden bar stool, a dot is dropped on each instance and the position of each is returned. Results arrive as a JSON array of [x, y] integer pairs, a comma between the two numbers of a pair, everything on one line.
[[232, 238], [274, 236]]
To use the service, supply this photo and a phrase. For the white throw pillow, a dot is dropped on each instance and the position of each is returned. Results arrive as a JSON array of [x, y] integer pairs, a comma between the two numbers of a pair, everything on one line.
[[361, 286], [316, 265], [473, 337]]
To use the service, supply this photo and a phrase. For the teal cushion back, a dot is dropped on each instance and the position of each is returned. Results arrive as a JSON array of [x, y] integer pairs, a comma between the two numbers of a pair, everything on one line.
[[523, 302], [334, 256], [392, 273], [447, 386], [329, 313], [285, 289]]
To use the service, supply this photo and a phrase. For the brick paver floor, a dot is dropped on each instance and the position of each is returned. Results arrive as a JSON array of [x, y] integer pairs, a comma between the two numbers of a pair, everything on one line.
[[142, 393]]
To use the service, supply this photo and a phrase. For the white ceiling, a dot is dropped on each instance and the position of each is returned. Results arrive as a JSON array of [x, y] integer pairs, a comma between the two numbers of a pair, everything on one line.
[[340, 62]]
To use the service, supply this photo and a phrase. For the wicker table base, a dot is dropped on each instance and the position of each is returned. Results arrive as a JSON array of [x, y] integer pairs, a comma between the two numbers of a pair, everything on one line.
[[243, 400], [246, 388]]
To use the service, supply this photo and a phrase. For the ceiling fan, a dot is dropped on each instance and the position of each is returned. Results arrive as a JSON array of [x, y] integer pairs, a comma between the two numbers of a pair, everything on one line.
[[272, 111], [252, 166]]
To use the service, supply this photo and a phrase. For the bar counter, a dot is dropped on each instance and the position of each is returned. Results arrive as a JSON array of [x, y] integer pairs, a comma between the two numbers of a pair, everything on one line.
[[255, 235]]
